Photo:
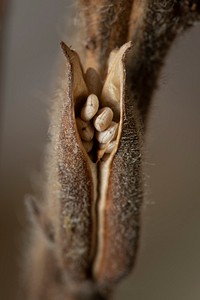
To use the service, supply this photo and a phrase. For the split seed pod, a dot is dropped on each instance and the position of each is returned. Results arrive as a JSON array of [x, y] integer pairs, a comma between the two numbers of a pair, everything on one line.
[[120, 186], [97, 200]]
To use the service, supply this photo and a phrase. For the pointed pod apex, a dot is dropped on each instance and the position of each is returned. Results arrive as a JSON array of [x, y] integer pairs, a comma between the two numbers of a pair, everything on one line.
[[65, 48]]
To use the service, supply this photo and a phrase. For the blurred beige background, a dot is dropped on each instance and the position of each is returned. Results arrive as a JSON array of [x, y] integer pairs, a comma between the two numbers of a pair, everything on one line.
[[168, 265]]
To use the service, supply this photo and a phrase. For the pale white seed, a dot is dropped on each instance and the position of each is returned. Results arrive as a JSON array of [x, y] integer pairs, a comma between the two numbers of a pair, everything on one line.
[[107, 135], [90, 108], [88, 145], [93, 81], [103, 118], [86, 131], [110, 147]]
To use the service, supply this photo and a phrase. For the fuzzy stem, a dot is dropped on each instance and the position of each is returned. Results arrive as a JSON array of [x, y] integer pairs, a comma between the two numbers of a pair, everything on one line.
[[152, 39], [106, 26]]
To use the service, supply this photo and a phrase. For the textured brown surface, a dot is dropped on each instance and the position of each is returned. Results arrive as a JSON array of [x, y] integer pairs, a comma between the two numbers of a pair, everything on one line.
[[74, 174], [160, 22], [119, 208], [106, 27], [168, 265], [123, 204]]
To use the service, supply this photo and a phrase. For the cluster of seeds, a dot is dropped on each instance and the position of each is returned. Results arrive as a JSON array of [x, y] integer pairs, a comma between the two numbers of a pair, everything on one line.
[[97, 126]]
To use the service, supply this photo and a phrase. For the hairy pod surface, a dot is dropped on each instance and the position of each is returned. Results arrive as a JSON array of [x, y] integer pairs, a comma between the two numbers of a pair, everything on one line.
[[100, 198], [120, 190], [87, 228], [78, 177], [95, 204]]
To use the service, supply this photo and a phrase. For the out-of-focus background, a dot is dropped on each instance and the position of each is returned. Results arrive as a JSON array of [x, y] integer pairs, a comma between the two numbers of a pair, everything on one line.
[[168, 265]]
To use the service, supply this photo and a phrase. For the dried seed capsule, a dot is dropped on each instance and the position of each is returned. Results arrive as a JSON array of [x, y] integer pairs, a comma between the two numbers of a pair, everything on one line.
[[88, 146], [120, 188], [82, 194], [107, 135], [90, 108], [103, 119], [85, 130]]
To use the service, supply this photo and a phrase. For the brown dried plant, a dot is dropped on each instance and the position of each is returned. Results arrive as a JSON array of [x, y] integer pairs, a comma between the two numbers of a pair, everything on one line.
[[86, 228]]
